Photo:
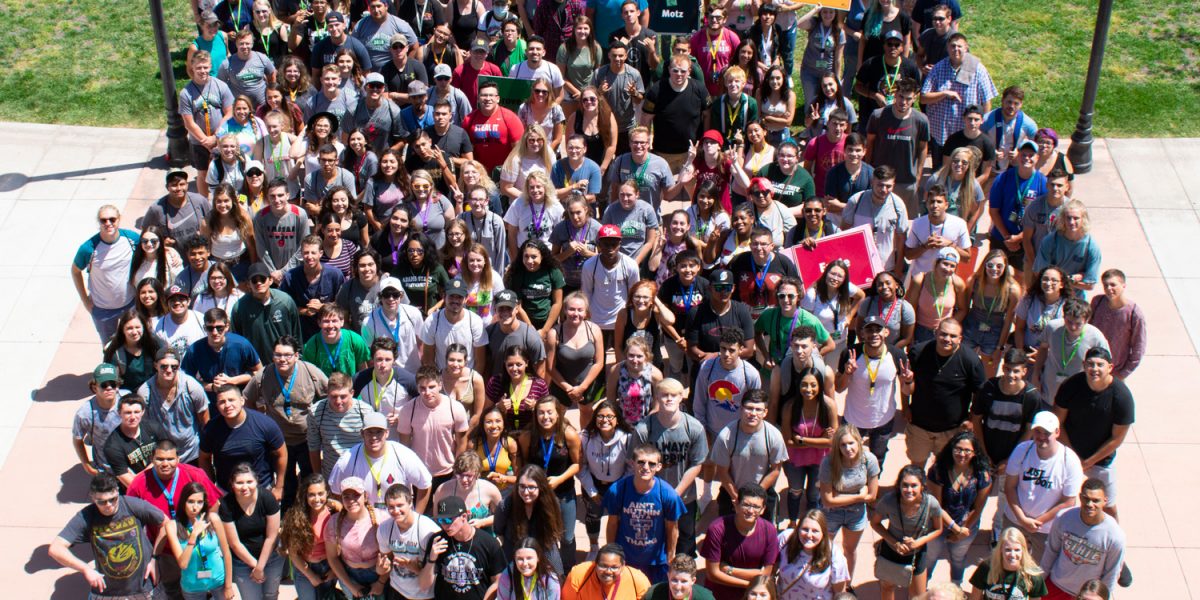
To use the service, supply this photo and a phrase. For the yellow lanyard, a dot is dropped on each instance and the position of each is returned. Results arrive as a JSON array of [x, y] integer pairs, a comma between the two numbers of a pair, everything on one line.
[[512, 393], [937, 299], [732, 111], [379, 389], [873, 374], [377, 472]]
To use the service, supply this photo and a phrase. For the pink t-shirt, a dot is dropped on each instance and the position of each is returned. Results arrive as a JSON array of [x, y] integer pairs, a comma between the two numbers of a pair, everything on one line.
[[714, 56], [824, 154], [433, 431], [358, 541]]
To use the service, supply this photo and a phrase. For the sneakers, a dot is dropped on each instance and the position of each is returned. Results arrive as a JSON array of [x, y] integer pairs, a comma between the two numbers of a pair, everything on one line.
[[1126, 578], [591, 555]]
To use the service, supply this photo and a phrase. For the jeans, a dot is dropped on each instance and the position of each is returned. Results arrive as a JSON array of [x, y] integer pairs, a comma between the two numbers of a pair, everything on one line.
[[215, 592], [877, 439], [687, 529], [363, 577], [305, 589], [297, 457], [802, 485], [787, 48], [249, 589], [566, 504], [593, 510], [955, 551], [105, 320], [810, 83]]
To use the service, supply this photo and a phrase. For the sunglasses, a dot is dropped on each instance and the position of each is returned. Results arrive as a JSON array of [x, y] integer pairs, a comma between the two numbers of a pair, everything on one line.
[[108, 385], [168, 368], [150, 241], [722, 289], [107, 220], [390, 295], [444, 521], [258, 280], [215, 328]]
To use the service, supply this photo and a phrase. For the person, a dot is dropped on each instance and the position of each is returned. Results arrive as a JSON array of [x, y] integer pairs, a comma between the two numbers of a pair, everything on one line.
[[181, 326], [528, 575], [222, 356], [242, 436], [486, 227], [630, 380], [301, 537], [1009, 127], [914, 519], [1063, 347], [496, 448], [1042, 479], [681, 582], [493, 129], [961, 480], [353, 551], [1122, 322], [824, 152], [199, 545], [607, 578], [251, 522], [154, 260], [741, 461], [194, 275], [830, 98], [428, 205], [482, 496], [683, 292], [653, 177], [936, 229], [885, 299], [462, 561], [384, 389], [204, 102], [116, 527], [887, 215], [558, 449], [445, 134], [149, 300], [878, 78], [1093, 589], [532, 512], [532, 215], [674, 106], [722, 382], [1009, 570], [740, 547], [573, 239], [359, 295], [850, 176], [833, 300], [442, 432], [542, 109], [720, 314], [645, 317], [178, 212], [761, 271], [1042, 305], [849, 480], [953, 83], [807, 420], [379, 32], [870, 375], [638, 220], [129, 447], [605, 442], [333, 425], [714, 46], [175, 403], [988, 323], [1010, 195], [278, 230], [898, 136], [1070, 247], [461, 327], [108, 259], [644, 513], [402, 541], [1041, 216], [96, 419], [168, 473], [607, 278], [939, 300], [382, 463], [1084, 543], [945, 378], [246, 71], [809, 566]]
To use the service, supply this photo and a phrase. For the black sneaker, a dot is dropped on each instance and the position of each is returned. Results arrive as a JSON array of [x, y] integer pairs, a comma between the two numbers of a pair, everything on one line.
[[1126, 578]]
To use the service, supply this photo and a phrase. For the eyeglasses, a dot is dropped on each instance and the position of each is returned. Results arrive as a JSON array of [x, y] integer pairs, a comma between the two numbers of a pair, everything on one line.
[[938, 19], [416, 251], [527, 488], [753, 507], [108, 385], [107, 220], [215, 328], [679, 71], [590, 99], [284, 355], [107, 501], [787, 296], [167, 368], [608, 568], [606, 417]]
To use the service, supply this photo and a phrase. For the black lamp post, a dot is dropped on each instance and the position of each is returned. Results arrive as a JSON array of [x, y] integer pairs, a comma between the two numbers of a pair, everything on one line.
[[177, 143], [1080, 151]]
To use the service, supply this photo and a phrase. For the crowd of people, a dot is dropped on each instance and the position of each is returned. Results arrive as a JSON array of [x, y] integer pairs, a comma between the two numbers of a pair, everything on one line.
[[592, 300]]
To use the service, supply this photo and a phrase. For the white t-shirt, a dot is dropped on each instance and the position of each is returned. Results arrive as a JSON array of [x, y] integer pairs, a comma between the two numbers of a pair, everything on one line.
[[386, 398], [1041, 484], [397, 465], [547, 70], [108, 267], [407, 544], [439, 332], [884, 220], [829, 313], [530, 222], [812, 586], [403, 330], [866, 409], [953, 227], [607, 289], [179, 336]]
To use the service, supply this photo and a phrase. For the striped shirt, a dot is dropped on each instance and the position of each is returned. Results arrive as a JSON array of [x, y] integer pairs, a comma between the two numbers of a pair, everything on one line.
[[333, 433], [945, 117]]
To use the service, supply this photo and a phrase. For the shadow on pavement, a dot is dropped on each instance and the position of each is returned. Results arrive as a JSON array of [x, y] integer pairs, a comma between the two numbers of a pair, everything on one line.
[[74, 488], [67, 387], [71, 586]]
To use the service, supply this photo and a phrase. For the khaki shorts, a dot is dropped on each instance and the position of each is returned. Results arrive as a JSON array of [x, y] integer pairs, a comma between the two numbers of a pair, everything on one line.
[[921, 444]]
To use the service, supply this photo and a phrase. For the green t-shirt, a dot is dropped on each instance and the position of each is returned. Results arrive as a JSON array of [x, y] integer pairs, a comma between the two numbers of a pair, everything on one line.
[[1009, 587], [779, 328], [537, 292], [343, 357], [660, 591], [789, 191]]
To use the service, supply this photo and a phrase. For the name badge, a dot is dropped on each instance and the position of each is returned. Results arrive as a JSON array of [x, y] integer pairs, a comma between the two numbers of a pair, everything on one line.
[[984, 327], [203, 574]]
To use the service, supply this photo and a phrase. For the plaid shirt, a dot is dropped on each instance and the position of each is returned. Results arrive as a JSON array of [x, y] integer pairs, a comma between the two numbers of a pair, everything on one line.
[[945, 117]]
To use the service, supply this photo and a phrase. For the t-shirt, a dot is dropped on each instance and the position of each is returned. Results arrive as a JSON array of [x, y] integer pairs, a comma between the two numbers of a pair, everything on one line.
[[683, 301], [1074, 257], [499, 342], [236, 357], [253, 441], [454, 142], [922, 229], [398, 464], [635, 224], [251, 528], [619, 99], [755, 284], [1077, 552], [896, 314], [440, 332], [564, 233], [1010, 195], [800, 582], [205, 104], [779, 328], [748, 456], [897, 141], [305, 385], [885, 220], [1092, 414], [408, 544], [434, 431], [943, 386], [1009, 587], [1042, 483], [642, 531], [840, 185], [682, 447], [707, 325], [662, 591], [180, 223], [900, 525], [1040, 219], [93, 425], [607, 288], [125, 453], [494, 136], [853, 478], [1063, 357], [334, 433], [725, 544], [536, 290], [533, 222], [119, 543], [1004, 418], [376, 37], [582, 584], [247, 77], [179, 336], [717, 395], [678, 116], [156, 493], [789, 190], [869, 406], [959, 139], [345, 356], [465, 570], [325, 288], [824, 154], [878, 77], [653, 176], [108, 266]]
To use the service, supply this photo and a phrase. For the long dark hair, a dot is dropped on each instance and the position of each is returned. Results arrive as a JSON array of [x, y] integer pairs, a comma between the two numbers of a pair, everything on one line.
[[543, 572], [478, 436], [296, 537], [503, 377], [431, 259], [545, 524], [843, 292], [944, 463], [839, 97], [573, 46], [797, 402], [622, 425], [160, 255], [148, 343], [549, 263], [159, 306]]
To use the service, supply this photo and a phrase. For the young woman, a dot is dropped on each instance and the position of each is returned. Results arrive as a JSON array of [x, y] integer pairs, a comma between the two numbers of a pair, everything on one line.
[[227, 165], [441, 49], [934, 295], [351, 545], [295, 82], [219, 291], [351, 72], [529, 575], [482, 282], [777, 102], [552, 444], [253, 193], [734, 240], [251, 520], [989, 308], [463, 384], [645, 316], [578, 58], [834, 300], [532, 153], [270, 35], [301, 538], [431, 211], [757, 154], [473, 174], [150, 302], [1010, 567], [481, 496], [496, 448], [735, 109], [594, 120], [1093, 589], [849, 480], [339, 202], [486, 226], [211, 40], [711, 164], [914, 518], [154, 259], [532, 511], [360, 160], [422, 276], [573, 240], [385, 191], [1048, 156], [244, 126], [336, 252], [542, 109], [132, 350], [1038, 308], [761, 587], [810, 567], [538, 281], [677, 239], [886, 300], [809, 420], [465, 16], [279, 150], [632, 380], [278, 100], [229, 228], [199, 546], [823, 53], [575, 355], [746, 58], [606, 439], [391, 242], [454, 253], [707, 217], [322, 129], [515, 390], [963, 191], [828, 97], [960, 479]]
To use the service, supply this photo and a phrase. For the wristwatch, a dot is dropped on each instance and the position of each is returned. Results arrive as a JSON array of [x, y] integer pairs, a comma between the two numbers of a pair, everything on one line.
[[727, 569]]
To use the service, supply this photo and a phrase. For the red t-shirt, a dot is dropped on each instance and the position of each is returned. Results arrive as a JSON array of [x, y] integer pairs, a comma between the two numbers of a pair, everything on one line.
[[493, 137], [719, 175], [146, 487], [824, 154], [465, 78]]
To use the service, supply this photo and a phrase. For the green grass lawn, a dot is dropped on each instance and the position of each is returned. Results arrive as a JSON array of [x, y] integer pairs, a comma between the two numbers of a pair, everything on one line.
[[88, 64]]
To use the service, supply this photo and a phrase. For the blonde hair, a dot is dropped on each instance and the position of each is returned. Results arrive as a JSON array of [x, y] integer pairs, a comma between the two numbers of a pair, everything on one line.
[[1029, 566], [1074, 204], [670, 385], [835, 457], [512, 164], [576, 295], [966, 193], [543, 178], [732, 72]]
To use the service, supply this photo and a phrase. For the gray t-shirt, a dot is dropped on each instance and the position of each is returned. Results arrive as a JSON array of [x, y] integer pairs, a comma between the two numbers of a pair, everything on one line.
[[717, 396], [180, 223], [897, 141], [1064, 357], [247, 77], [635, 224], [854, 478], [342, 107], [898, 313], [618, 96], [92, 425], [683, 446], [333, 433], [749, 456], [652, 176], [377, 37], [204, 104], [563, 234], [119, 542], [1039, 220], [1076, 552], [902, 526], [316, 186], [884, 220], [607, 288], [179, 416], [499, 342]]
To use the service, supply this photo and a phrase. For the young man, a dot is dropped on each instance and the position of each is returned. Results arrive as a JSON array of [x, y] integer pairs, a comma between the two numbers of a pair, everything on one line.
[[971, 134], [247, 72], [330, 175], [720, 314], [419, 113], [935, 230], [278, 229], [1085, 543], [955, 82], [749, 451], [656, 182], [379, 32], [935, 29], [1122, 322], [453, 324], [713, 46], [675, 107], [181, 326], [222, 356], [722, 382], [870, 374], [384, 389], [403, 540], [608, 578], [828, 150], [177, 403], [1008, 126], [1042, 479], [681, 582], [378, 117], [760, 271], [790, 184], [898, 136], [432, 426], [576, 174], [741, 546], [243, 436], [444, 91], [1070, 248], [444, 133], [179, 212], [802, 352], [383, 464], [536, 67], [887, 215], [624, 89], [108, 259], [1064, 344], [312, 285], [506, 331], [641, 41], [115, 527], [607, 278], [129, 447], [643, 514], [461, 561], [400, 69], [683, 448], [639, 223], [850, 176], [1041, 216], [333, 349], [96, 419], [324, 52], [945, 378], [878, 77], [197, 252], [335, 423], [466, 75], [204, 103], [494, 130], [396, 320]]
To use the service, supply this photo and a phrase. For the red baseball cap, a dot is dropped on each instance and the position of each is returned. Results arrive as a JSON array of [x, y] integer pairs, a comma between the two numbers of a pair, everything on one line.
[[609, 231], [760, 183]]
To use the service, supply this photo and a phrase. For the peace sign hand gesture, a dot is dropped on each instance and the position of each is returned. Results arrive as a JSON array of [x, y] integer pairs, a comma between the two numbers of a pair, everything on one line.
[[906, 375], [851, 362]]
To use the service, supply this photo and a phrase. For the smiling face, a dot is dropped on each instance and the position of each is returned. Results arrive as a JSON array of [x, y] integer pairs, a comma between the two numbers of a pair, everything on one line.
[[546, 415], [515, 367], [1012, 555]]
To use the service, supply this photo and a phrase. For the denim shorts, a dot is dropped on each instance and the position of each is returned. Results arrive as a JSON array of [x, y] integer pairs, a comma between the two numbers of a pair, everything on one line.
[[853, 518]]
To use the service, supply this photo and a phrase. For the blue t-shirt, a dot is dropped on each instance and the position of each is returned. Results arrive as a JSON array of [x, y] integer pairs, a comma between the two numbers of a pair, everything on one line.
[[252, 442], [589, 170], [1006, 190], [325, 288], [237, 357], [643, 529]]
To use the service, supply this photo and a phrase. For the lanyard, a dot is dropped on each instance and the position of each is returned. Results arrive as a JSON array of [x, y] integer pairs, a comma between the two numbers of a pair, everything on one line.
[[202, 554], [547, 453], [527, 584], [286, 391], [493, 456], [535, 219], [516, 402], [938, 299], [425, 213], [891, 311], [761, 278], [687, 298], [380, 388], [640, 175], [395, 331], [1022, 193], [168, 494], [376, 473], [333, 358], [1065, 359], [873, 374], [732, 110]]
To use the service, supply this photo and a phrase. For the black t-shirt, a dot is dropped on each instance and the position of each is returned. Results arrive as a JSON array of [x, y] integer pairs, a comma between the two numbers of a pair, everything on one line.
[[636, 52], [876, 79], [465, 570], [1091, 415], [678, 116], [252, 528], [119, 543], [455, 142], [874, 48], [127, 454], [943, 386], [414, 162], [755, 288], [672, 294], [1004, 418], [984, 142], [707, 325], [933, 44], [397, 79]]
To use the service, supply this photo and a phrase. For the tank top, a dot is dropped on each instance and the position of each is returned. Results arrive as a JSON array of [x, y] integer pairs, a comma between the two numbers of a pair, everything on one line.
[[463, 26], [276, 163], [928, 315], [206, 560], [574, 363], [651, 332], [228, 247], [476, 508], [217, 48], [773, 109], [634, 393], [467, 399], [986, 310], [803, 426], [498, 462], [593, 142], [557, 463]]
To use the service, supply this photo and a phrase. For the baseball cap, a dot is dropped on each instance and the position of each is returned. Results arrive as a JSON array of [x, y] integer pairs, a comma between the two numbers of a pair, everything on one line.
[[417, 88], [335, 17], [479, 44], [354, 483], [398, 38], [442, 70], [173, 173], [456, 287], [760, 183], [374, 78], [450, 508], [374, 420], [209, 16], [609, 231], [259, 270], [714, 135], [104, 373], [1046, 421], [1098, 352], [177, 290], [391, 283], [893, 35], [949, 255], [506, 298], [164, 352], [1027, 143], [874, 320], [721, 277], [254, 164]]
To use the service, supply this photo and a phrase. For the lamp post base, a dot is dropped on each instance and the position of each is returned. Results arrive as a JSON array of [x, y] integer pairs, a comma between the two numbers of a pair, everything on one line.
[[1080, 150]]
